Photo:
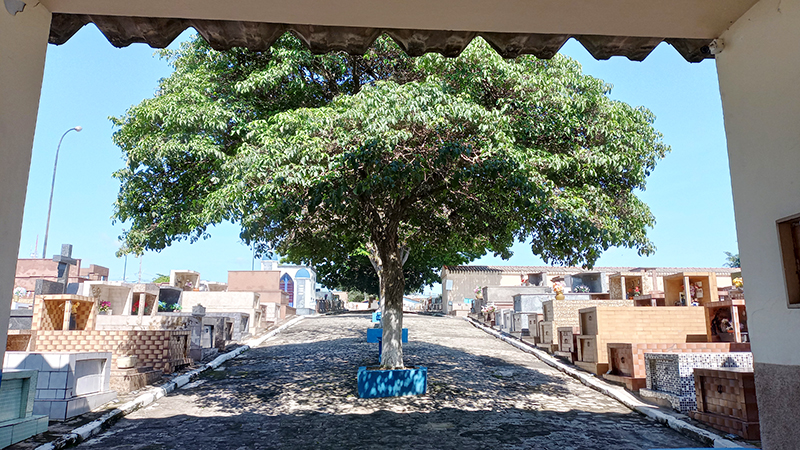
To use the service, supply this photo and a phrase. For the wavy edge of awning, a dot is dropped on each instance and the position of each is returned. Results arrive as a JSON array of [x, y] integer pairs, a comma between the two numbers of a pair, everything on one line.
[[122, 31]]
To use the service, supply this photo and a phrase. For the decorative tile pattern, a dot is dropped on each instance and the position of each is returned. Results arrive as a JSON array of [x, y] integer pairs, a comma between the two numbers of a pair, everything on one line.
[[627, 360], [670, 376]]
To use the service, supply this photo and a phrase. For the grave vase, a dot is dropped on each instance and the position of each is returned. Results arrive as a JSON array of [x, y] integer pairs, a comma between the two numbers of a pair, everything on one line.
[[560, 296]]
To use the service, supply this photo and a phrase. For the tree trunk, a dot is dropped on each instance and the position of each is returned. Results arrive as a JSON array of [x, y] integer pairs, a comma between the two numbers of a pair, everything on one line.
[[392, 284]]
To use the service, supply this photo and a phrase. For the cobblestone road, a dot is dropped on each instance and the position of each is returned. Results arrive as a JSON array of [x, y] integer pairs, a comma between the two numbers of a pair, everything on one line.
[[298, 391]]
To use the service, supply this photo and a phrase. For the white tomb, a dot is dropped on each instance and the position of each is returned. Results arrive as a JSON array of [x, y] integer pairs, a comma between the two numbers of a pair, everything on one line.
[[69, 384]]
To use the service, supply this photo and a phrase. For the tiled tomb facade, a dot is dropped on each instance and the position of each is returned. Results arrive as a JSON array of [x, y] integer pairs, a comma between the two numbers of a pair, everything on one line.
[[670, 376], [626, 360], [17, 421], [69, 384]]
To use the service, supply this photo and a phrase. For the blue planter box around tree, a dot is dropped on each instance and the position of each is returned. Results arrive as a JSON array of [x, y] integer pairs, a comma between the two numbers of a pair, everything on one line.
[[392, 383], [376, 335]]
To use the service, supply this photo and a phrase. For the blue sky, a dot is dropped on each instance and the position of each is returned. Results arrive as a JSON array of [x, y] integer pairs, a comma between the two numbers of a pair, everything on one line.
[[87, 80]]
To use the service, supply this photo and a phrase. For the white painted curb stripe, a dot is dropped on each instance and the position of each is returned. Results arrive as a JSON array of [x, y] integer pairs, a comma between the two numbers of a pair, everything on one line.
[[95, 427], [616, 392]]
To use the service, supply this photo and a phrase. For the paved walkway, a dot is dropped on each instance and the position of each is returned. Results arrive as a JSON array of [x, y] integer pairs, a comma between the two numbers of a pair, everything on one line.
[[298, 391]]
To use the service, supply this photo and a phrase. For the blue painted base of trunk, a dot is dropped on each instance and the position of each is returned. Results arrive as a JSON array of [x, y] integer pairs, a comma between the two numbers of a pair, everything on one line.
[[392, 383]]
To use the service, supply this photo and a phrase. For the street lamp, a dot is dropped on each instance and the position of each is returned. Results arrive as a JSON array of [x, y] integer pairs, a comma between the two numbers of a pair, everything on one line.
[[52, 187]]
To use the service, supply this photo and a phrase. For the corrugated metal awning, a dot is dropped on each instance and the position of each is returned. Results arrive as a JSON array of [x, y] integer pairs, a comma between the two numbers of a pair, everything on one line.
[[122, 31]]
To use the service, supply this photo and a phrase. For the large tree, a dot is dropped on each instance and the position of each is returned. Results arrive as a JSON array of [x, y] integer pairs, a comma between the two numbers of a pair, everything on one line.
[[338, 161]]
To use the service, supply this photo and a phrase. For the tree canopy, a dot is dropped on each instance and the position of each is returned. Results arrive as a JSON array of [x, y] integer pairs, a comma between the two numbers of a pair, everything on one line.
[[403, 164], [732, 260]]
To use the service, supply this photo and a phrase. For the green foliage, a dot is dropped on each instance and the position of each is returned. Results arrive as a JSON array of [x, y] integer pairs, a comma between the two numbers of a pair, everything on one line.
[[732, 260], [318, 157], [356, 296], [161, 278]]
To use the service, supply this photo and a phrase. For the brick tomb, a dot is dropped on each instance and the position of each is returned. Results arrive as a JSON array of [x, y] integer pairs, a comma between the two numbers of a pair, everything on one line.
[[565, 313], [601, 325], [726, 400], [66, 323]]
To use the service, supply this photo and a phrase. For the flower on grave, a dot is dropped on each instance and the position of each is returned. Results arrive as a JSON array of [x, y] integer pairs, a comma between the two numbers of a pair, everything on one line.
[[188, 284], [175, 307], [737, 282], [162, 306], [488, 309], [478, 290], [634, 292], [558, 287], [105, 305], [20, 291], [582, 288]]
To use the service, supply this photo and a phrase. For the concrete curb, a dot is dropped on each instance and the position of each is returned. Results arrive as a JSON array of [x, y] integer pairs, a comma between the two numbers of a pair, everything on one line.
[[616, 392], [95, 427]]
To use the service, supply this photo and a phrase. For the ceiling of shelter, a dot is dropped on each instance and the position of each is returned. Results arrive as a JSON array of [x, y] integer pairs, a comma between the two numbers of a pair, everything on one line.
[[157, 32]]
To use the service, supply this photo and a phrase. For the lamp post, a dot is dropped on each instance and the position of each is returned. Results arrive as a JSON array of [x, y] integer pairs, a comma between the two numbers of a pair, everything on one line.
[[52, 188]]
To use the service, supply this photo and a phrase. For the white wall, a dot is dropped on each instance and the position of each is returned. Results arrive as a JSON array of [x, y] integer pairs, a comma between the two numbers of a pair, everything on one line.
[[464, 284], [759, 76], [23, 43]]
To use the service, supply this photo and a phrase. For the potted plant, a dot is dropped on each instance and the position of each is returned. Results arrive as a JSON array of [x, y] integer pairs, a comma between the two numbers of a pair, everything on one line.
[[488, 313], [19, 291], [126, 359], [105, 308]]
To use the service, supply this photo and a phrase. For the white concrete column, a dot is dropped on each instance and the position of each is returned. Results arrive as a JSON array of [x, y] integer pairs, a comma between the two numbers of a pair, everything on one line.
[[687, 291], [759, 76], [23, 44], [128, 304]]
